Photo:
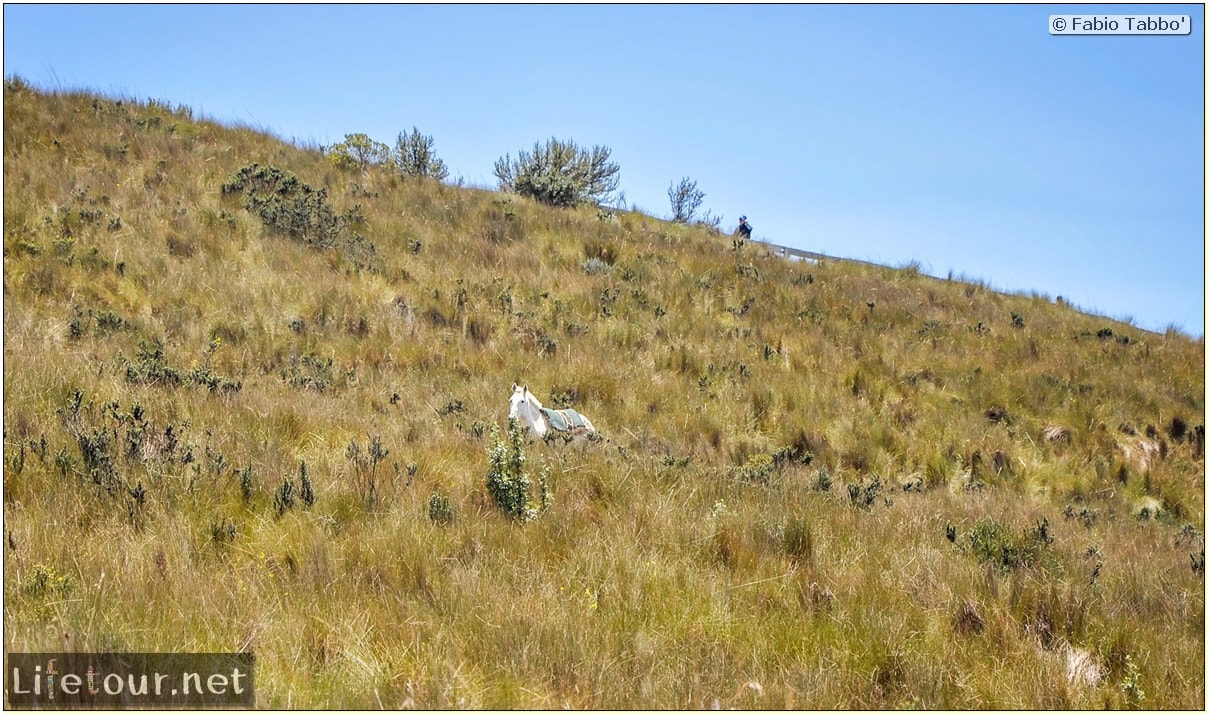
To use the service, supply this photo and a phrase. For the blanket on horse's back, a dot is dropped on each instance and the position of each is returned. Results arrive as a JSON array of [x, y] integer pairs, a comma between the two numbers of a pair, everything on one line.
[[564, 420]]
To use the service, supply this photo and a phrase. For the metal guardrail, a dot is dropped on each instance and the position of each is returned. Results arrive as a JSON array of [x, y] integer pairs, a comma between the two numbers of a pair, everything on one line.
[[811, 255], [786, 251], [783, 250]]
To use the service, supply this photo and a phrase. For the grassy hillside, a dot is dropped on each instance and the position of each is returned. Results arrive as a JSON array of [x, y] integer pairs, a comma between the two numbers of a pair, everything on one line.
[[234, 422]]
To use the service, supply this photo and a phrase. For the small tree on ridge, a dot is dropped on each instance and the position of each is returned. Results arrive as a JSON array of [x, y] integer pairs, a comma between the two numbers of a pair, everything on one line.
[[686, 199], [358, 151]]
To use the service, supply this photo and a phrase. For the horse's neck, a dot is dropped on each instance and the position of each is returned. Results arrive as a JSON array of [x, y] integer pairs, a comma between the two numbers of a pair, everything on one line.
[[536, 416]]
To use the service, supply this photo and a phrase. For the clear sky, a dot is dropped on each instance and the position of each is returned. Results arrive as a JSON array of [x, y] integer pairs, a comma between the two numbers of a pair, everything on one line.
[[964, 138]]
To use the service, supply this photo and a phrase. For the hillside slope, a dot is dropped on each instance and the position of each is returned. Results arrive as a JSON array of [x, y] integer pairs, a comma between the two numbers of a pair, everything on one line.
[[249, 399]]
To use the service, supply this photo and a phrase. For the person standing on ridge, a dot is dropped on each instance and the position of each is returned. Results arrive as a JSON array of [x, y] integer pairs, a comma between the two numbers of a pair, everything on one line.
[[744, 230]]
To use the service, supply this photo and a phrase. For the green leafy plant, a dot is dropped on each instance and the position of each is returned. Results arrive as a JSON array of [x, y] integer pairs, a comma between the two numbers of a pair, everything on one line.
[[864, 495], [288, 206], [1131, 684], [283, 500], [45, 586], [358, 152], [151, 367], [822, 481], [414, 157], [994, 543], [440, 509], [757, 469], [559, 173], [509, 482]]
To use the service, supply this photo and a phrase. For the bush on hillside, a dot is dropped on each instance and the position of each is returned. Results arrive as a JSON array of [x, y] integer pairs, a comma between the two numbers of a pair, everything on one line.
[[686, 199], [414, 157], [508, 482], [288, 206], [559, 173], [996, 544], [359, 152]]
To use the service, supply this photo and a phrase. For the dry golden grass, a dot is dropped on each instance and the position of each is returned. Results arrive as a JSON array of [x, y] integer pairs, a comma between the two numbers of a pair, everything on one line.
[[691, 558]]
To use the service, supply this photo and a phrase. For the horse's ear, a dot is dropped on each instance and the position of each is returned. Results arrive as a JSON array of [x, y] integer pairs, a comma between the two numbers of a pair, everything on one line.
[[515, 387], [526, 389]]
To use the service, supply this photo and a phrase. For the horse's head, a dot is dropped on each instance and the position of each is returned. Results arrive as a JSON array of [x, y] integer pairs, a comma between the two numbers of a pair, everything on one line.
[[519, 403]]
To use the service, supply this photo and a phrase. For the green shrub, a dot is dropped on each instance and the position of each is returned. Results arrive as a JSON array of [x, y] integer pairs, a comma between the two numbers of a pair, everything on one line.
[[414, 157], [758, 469], [864, 495], [559, 173], [994, 543], [152, 367], [359, 152], [792, 454], [685, 199], [46, 588], [440, 509], [283, 500], [314, 373], [47, 580], [595, 266], [99, 323], [288, 206], [1131, 686], [508, 482], [822, 481], [203, 375]]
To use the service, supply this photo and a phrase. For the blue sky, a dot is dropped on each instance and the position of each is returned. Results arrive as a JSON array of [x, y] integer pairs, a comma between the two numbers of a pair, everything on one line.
[[964, 138]]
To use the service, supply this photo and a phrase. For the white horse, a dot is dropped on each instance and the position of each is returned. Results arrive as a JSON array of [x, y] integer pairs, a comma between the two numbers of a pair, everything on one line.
[[541, 421]]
